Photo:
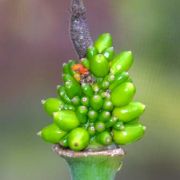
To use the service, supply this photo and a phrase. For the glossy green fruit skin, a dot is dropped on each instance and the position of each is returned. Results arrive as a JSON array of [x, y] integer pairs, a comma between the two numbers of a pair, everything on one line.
[[52, 105], [100, 126], [52, 133], [70, 64], [81, 114], [110, 77], [119, 79], [64, 141], [91, 130], [63, 95], [111, 122], [78, 139], [104, 116], [129, 112], [108, 105], [131, 133], [95, 87], [121, 62], [85, 63], [118, 125], [103, 42], [96, 102], [105, 85], [109, 53], [99, 66], [123, 94], [72, 87], [87, 89], [66, 69], [66, 120], [92, 115], [104, 138], [91, 52], [76, 101]]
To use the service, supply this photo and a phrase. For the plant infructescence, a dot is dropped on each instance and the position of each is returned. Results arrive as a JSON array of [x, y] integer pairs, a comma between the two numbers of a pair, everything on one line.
[[94, 107]]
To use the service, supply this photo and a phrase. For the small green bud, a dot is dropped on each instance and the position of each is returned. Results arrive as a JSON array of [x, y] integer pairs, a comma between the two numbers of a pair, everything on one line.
[[76, 101], [81, 113], [100, 126], [108, 105], [92, 115], [85, 101], [104, 116], [104, 138], [96, 102]]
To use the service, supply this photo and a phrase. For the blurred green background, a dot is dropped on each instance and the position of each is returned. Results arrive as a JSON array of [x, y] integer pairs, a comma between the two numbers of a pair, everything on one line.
[[34, 41]]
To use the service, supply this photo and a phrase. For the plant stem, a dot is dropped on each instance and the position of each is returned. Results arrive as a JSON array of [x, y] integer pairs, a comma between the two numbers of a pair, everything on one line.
[[98, 165], [79, 29]]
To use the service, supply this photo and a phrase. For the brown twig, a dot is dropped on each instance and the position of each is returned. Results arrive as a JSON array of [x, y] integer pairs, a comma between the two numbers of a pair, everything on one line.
[[79, 29]]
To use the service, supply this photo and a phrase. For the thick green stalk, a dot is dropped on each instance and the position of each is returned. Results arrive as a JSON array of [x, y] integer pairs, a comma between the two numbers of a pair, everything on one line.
[[99, 165]]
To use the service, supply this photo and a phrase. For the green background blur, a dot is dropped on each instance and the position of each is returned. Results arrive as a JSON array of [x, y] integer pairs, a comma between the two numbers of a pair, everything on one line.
[[34, 42]]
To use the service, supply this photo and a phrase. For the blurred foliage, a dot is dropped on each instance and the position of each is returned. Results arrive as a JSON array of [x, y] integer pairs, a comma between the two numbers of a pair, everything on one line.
[[34, 42]]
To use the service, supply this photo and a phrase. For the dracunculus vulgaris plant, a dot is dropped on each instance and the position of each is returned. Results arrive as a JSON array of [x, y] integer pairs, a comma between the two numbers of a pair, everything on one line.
[[94, 112]]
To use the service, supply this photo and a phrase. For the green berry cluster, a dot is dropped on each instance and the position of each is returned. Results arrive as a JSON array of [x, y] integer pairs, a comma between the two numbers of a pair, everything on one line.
[[95, 106]]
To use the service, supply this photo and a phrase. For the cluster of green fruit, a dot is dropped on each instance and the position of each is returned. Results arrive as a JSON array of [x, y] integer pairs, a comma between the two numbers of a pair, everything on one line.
[[94, 107]]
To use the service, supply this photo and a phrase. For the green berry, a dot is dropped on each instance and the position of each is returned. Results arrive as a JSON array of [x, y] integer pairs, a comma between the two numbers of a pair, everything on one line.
[[52, 105], [91, 130], [131, 133], [85, 62], [76, 101], [104, 138], [105, 85], [119, 79], [95, 87], [121, 62], [104, 116], [99, 65], [52, 133], [123, 94], [87, 89], [92, 115], [81, 113], [103, 42], [91, 52], [100, 126], [109, 53], [62, 94], [108, 105], [78, 139], [96, 102], [64, 141], [66, 120], [111, 122], [119, 125], [129, 112]]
